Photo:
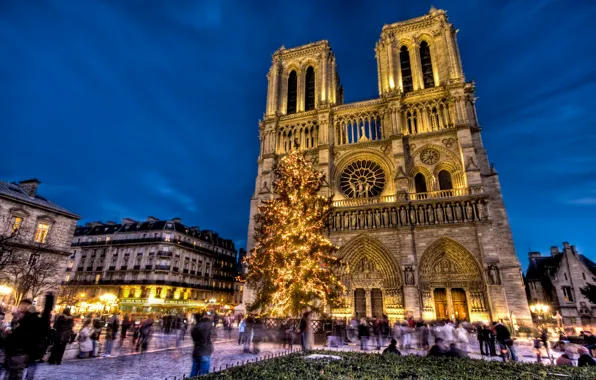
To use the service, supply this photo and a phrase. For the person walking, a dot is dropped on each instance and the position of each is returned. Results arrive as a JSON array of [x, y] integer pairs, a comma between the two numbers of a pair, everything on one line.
[[241, 327], [111, 333], [504, 339], [489, 341], [461, 334], [63, 325], [145, 331], [203, 346], [258, 335], [85, 341], [248, 333], [305, 330], [480, 337], [97, 326], [363, 334], [25, 341]]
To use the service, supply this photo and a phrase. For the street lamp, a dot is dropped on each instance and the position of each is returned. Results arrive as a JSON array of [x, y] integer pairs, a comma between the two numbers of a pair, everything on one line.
[[4, 291], [539, 309], [108, 299]]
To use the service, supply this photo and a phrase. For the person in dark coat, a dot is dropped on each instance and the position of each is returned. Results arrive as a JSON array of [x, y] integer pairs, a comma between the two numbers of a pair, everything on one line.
[[437, 349], [392, 348], [23, 341], [124, 328], [489, 341], [480, 337], [585, 359], [63, 331], [455, 352], [203, 346], [363, 334], [504, 338]]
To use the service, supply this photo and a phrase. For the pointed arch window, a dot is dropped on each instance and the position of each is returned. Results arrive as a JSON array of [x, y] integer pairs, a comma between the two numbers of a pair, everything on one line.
[[412, 122], [309, 96], [420, 183], [445, 182], [406, 69], [427, 67], [292, 92]]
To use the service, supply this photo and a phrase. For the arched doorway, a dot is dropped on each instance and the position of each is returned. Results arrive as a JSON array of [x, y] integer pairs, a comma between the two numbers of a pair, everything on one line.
[[451, 283], [372, 278]]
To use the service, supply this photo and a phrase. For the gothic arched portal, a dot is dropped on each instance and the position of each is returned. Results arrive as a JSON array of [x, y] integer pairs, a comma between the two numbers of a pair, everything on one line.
[[368, 266], [451, 281]]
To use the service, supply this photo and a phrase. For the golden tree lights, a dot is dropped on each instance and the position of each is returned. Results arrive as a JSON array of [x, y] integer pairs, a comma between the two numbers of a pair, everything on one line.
[[291, 266]]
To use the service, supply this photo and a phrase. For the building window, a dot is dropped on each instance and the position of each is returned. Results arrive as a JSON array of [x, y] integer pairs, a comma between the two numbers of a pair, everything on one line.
[[168, 238], [445, 180], [97, 278], [42, 232], [309, 96], [427, 67], [567, 293], [420, 183], [412, 119], [406, 70], [98, 239], [584, 276], [107, 239], [16, 224], [565, 274], [292, 92], [67, 278]]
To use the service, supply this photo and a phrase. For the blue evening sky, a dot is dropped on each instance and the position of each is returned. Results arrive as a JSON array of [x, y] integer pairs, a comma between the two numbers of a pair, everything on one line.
[[138, 107]]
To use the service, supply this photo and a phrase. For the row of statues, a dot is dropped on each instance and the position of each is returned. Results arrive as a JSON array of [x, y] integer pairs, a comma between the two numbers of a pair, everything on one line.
[[441, 213]]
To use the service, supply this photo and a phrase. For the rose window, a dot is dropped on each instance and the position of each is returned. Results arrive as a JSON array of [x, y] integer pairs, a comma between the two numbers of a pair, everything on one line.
[[362, 179]]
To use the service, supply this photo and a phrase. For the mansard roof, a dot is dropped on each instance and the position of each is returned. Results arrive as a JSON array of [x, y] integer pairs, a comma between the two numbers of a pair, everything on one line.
[[543, 267], [16, 193]]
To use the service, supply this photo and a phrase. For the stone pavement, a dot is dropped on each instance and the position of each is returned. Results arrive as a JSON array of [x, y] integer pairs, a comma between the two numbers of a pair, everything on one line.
[[168, 363]]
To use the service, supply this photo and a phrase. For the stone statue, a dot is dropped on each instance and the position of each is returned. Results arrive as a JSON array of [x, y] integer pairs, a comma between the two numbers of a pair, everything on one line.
[[353, 220], [377, 219], [458, 215], [493, 275], [469, 211], [361, 220], [403, 216], [337, 222], [346, 223], [385, 218], [430, 214], [409, 274], [369, 222]]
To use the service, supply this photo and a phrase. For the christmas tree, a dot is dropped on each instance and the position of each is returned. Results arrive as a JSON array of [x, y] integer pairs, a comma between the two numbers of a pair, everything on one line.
[[291, 266]]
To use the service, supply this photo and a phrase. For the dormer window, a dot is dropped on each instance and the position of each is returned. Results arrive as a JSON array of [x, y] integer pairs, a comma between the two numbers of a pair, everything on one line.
[[16, 223]]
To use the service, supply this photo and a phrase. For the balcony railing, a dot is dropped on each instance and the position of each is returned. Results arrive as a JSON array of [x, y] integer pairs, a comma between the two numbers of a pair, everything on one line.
[[364, 201], [162, 267], [439, 194]]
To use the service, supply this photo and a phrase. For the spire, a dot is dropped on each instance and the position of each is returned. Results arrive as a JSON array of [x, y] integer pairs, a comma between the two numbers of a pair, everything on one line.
[[432, 9]]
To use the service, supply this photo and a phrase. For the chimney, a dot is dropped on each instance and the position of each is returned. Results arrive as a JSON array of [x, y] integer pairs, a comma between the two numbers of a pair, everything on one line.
[[177, 220], [152, 219], [533, 255], [30, 186], [566, 247], [110, 223], [554, 251], [573, 250], [128, 220]]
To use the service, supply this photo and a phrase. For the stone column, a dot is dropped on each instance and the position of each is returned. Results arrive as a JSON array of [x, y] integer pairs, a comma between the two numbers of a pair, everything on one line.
[[416, 68], [323, 81], [368, 303], [390, 65], [412, 301], [450, 310]]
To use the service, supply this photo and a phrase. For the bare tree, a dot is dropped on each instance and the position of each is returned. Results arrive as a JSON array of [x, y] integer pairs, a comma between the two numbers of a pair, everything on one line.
[[31, 271]]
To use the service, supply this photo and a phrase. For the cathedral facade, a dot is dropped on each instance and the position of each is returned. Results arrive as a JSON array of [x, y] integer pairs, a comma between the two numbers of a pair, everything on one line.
[[417, 209]]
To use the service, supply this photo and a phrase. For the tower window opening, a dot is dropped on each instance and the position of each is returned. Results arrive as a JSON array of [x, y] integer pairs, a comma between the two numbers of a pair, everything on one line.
[[309, 96], [292, 92], [427, 67], [445, 182], [406, 70], [434, 119], [412, 122], [420, 183]]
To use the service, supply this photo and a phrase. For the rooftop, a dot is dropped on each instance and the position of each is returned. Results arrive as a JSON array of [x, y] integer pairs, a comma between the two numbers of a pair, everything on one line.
[[18, 192]]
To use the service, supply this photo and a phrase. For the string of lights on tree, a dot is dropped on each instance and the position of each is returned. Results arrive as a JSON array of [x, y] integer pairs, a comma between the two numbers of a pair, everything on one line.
[[291, 267]]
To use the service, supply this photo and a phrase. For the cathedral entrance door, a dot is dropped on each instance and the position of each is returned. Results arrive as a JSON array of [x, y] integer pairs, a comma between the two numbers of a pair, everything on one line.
[[460, 304], [376, 302], [360, 303], [441, 303]]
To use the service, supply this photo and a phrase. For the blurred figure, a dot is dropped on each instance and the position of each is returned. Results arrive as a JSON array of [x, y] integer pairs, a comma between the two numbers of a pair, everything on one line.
[[406, 336], [62, 332], [448, 333], [461, 335], [22, 339], [480, 337], [305, 331], [97, 326], [124, 328], [248, 332], [437, 349], [392, 348], [85, 341], [455, 352], [203, 346], [424, 335], [363, 334], [504, 338], [258, 335], [566, 359], [145, 331], [241, 327], [585, 359], [489, 341], [111, 333]]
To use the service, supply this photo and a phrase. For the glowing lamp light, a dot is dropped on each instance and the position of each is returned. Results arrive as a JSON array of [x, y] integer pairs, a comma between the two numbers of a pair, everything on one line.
[[4, 290], [108, 298], [539, 308]]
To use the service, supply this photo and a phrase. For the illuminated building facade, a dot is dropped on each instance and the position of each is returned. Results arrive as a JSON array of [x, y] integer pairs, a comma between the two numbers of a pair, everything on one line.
[[417, 208], [151, 266]]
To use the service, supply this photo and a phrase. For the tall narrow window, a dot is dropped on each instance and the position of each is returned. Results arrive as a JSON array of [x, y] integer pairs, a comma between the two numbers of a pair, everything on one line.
[[406, 70], [427, 67], [445, 180], [42, 232], [412, 122], [292, 92], [420, 183], [16, 224], [309, 96]]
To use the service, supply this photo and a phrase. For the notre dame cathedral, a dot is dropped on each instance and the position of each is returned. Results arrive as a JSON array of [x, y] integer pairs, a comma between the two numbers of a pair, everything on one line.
[[417, 209]]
